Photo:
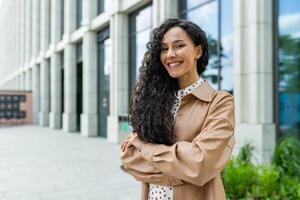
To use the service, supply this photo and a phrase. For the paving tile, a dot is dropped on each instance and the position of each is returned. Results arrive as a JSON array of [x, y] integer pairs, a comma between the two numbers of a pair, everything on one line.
[[39, 163]]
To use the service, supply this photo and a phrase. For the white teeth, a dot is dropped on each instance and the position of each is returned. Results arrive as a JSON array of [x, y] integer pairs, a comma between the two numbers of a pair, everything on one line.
[[174, 64]]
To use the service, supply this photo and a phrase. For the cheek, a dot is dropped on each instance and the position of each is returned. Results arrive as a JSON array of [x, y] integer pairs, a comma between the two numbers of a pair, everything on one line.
[[162, 58]]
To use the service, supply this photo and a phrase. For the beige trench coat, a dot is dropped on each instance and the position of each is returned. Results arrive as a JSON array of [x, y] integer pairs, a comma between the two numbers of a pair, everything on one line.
[[193, 164]]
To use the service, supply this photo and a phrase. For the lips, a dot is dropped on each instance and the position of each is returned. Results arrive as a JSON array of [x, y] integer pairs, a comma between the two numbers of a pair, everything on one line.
[[174, 64]]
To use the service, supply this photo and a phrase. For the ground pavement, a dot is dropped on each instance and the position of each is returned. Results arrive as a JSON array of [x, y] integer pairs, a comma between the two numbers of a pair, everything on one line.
[[38, 163]]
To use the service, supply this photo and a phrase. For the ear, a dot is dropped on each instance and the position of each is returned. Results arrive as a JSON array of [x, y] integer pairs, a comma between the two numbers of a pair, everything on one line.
[[198, 51]]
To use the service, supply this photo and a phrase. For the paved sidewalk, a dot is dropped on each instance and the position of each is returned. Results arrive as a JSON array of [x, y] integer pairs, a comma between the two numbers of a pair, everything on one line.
[[43, 164]]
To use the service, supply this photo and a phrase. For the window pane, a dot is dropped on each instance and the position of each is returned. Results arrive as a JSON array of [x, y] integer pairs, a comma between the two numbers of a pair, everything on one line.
[[194, 3], [79, 13], [144, 19], [142, 39], [102, 6], [107, 58], [227, 76], [140, 25], [289, 66], [62, 6], [207, 18]]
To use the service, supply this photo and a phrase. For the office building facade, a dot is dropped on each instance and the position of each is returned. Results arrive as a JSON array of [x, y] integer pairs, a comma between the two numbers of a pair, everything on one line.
[[81, 59]]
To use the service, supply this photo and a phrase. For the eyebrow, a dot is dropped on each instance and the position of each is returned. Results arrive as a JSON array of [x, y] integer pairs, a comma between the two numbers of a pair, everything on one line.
[[176, 41]]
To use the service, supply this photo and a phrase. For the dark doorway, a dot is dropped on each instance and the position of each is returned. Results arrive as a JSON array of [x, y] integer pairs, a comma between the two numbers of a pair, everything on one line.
[[79, 87], [79, 95], [62, 87], [104, 67]]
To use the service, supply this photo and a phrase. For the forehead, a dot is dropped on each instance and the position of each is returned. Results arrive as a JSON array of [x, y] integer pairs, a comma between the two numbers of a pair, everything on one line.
[[175, 34]]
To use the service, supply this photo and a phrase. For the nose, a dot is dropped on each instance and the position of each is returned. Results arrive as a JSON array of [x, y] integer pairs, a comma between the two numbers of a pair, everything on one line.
[[171, 53]]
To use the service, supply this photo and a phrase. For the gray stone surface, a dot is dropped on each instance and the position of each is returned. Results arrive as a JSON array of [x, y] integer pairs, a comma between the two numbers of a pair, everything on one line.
[[38, 163]]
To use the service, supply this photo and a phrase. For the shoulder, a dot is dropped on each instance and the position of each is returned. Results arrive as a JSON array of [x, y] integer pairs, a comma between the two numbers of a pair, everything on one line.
[[222, 98], [220, 94]]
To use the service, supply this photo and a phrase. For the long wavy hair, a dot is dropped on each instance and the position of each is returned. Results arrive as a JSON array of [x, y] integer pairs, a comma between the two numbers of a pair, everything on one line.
[[155, 91]]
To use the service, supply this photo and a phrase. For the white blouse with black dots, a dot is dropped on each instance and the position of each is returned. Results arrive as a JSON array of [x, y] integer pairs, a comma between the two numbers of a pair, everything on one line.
[[158, 192]]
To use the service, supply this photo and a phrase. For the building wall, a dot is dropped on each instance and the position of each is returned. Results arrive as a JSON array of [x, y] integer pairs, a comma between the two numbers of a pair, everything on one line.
[[54, 48]]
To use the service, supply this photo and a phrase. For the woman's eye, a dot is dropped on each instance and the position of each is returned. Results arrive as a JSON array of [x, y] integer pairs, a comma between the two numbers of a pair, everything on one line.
[[179, 46], [164, 49]]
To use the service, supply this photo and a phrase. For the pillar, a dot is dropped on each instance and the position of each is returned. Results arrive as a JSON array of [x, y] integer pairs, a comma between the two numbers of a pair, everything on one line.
[[89, 117], [119, 75], [253, 84]]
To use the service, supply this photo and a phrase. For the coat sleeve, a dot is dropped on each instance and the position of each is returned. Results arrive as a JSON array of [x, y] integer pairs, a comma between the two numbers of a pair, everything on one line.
[[199, 161], [144, 171]]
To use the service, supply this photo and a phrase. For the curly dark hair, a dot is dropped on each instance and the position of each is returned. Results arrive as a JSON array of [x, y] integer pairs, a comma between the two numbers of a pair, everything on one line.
[[154, 93]]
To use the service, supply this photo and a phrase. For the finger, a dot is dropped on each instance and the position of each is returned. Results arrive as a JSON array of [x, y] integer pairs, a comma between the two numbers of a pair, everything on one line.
[[123, 146], [123, 142], [127, 145]]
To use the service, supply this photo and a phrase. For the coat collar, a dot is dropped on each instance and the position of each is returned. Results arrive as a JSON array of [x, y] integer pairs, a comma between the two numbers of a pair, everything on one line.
[[204, 92]]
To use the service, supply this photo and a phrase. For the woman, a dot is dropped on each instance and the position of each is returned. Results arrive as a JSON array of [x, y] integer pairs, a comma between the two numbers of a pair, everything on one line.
[[182, 128]]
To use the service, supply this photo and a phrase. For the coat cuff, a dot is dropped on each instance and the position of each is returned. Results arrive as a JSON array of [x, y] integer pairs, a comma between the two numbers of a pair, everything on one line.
[[148, 151]]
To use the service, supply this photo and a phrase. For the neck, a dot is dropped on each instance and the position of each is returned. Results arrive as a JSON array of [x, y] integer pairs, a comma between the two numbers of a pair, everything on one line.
[[184, 82]]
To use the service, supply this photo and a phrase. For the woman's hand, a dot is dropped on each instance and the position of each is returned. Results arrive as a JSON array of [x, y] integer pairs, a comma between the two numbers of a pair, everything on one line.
[[132, 141]]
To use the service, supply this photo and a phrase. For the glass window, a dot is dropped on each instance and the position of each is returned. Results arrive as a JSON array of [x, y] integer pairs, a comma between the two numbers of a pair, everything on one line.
[[216, 20], [140, 25], [62, 7], [102, 6], [49, 21], [104, 71], [289, 66], [79, 13], [185, 5], [226, 70]]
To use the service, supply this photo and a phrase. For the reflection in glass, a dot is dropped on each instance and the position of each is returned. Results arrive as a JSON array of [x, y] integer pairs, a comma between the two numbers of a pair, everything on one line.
[[79, 13], [289, 66], [140, 25], [219, 32], [207, 18], [190, 4], [102, 6], [62, 17], [142, 38], [143, 19], [227, 76], [107, 57]]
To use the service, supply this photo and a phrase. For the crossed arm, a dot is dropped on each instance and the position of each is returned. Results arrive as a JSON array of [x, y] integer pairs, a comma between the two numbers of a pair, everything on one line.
[[195, 162]]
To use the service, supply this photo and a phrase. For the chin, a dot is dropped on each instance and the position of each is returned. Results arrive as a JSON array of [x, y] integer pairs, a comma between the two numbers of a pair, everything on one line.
[[174, 76]]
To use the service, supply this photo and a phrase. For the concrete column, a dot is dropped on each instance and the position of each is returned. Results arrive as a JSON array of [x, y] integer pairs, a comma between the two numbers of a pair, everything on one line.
[[70, 69], [253, 76], [22, 81], [36, 24], [45, 25], [119, 75], [36, 94], [163, 9], [22, 33], [28, 30], [56, 82], [55, 21], [70, 17], [45, 93], [89, 11], [89, 117], [56, 87], [69, 115], [27, 80]]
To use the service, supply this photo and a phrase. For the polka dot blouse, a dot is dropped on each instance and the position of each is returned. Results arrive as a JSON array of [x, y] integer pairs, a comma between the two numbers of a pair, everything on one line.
[[158, 192]]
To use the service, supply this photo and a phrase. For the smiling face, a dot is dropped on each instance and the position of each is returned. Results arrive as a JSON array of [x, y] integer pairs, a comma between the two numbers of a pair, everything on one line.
[[179, 56]]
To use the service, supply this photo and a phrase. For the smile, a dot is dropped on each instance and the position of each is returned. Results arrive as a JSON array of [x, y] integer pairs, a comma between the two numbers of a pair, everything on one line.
[[174, 64]]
